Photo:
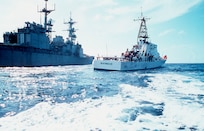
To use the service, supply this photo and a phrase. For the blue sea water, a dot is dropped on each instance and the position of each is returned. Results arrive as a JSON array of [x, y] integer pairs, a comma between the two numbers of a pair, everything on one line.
[[80, 98]]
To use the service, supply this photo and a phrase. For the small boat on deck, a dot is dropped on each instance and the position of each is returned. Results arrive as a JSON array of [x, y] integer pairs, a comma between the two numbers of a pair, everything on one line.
[[143, 55]]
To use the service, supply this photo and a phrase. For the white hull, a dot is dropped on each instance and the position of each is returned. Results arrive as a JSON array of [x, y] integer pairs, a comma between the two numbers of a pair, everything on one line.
[[126, 65]]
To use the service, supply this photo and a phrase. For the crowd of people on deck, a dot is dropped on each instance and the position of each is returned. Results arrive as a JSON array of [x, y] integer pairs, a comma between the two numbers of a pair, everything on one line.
[[136, 55]]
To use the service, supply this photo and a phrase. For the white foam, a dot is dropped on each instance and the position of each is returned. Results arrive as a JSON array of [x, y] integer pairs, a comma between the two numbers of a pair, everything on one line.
[[114, 113]]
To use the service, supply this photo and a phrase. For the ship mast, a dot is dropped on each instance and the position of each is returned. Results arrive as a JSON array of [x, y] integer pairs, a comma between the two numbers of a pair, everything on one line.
[[142, 35], [47, 25], [71, 36]]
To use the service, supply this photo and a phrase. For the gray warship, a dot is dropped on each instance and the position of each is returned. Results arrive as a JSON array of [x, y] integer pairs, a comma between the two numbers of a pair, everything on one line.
[[33, 46]]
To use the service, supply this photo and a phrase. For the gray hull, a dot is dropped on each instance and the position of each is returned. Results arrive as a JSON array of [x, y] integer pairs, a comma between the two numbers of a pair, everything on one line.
[[30, 57]]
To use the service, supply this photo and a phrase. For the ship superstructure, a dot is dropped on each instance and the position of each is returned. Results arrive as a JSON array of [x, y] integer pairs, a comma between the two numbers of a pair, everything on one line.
[[32, 45]]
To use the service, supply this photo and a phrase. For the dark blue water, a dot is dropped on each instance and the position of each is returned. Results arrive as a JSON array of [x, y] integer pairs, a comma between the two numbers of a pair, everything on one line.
[[167, 98]]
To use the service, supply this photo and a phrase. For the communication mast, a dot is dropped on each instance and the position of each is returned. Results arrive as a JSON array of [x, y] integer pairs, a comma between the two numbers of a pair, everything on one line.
[[71, 36], [142, 35], [47, 24]]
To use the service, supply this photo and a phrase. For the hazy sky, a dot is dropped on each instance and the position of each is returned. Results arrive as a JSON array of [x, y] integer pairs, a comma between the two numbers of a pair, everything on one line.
[[106, 27]]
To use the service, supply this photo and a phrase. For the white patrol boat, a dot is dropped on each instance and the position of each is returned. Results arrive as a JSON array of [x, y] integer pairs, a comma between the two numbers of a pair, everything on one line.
[[143, 55]]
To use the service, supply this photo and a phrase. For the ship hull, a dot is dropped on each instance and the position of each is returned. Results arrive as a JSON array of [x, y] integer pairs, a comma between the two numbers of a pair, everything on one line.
[[115, 65], [31, 57]]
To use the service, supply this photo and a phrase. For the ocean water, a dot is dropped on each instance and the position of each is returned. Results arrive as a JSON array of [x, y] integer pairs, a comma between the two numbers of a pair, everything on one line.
[[78, 98]]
